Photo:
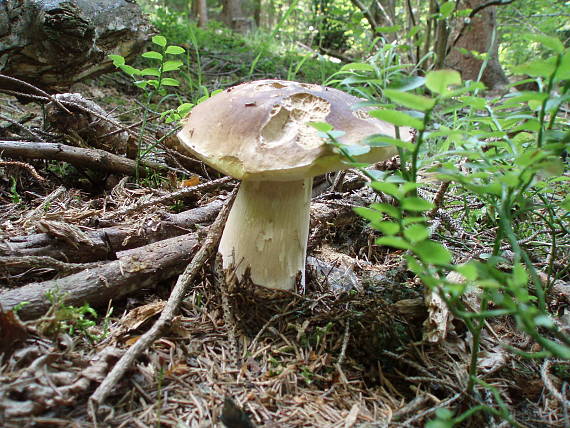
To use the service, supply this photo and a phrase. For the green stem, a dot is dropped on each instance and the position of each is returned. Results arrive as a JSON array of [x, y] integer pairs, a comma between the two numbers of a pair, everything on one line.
[[475, 347], [540, 136], [506, 226]]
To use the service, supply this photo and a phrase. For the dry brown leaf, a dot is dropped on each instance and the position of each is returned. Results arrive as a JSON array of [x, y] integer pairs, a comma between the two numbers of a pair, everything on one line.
[[139, 315]]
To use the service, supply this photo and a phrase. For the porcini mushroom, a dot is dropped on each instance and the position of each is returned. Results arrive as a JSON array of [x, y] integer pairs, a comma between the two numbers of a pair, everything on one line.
[[259, 132]]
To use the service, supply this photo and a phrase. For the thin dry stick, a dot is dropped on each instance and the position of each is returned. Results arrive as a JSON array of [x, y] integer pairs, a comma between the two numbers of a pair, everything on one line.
[[45, 262], [35, 88], [146, 340], [438, 198], [166, 199], [345, 339], [423, 414], [547, 381], [26, 166], [41, 209], [25, 128]]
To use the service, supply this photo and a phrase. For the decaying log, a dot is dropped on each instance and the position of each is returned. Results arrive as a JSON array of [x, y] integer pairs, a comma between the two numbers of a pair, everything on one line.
[[138, 269], [105, 243], [86, 158], [54, 44]]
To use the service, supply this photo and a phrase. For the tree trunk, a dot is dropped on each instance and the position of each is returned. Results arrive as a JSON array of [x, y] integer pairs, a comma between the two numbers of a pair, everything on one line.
[[202, 12], [232, 16], [53, 44], [480, 35]]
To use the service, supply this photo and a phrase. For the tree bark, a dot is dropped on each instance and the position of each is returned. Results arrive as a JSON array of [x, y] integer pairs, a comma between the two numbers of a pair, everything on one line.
[[54, 44], [479, 35], [202, 11], [232, 16], [140, 268], [105, 243], [86, 158]]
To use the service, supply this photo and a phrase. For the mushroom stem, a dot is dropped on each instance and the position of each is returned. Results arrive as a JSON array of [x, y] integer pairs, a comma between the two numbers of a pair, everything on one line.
[[267, 231]]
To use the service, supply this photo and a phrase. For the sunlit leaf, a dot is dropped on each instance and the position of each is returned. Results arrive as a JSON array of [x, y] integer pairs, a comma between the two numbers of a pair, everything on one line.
[[130, 70], [439, 81], [387, 227], [520, 275], [406, 99], [357, 66], [171, 65], [184, 108], [174, 50], [167, 81], [468, 270], [152, 55], [447, 8], [414, 203], [371, 215], [159, 40], [321, 126], [388, 188], [393, 241], [391, 210], [397, 118], [117, 60], [538, 68], [416, 233], [547, 41], [432, 252], [390, 29], [150, 72]]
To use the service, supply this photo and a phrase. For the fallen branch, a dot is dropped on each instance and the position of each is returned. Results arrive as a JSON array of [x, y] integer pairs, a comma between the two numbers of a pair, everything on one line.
[[132, 271], [105, 243], [184, 280], [167, 199], [85, 158]]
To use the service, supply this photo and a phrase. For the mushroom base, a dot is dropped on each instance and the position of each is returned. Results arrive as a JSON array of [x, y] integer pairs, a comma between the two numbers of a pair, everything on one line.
[[267, 231]]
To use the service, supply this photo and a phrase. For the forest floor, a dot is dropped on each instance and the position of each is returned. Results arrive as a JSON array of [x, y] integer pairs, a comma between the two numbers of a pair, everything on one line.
[[361, 345]]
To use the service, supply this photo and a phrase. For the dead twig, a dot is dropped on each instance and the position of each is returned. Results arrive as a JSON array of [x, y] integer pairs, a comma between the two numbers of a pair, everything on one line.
[[44, 262], [438, 198], [421, 415], [545, 375], [24, 165], [167, 199], [35, 88], [37, 212], [19, 125], [184, 280]]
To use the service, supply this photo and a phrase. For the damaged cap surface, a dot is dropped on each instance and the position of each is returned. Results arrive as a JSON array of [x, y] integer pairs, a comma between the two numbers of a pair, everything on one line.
[[260, 130]]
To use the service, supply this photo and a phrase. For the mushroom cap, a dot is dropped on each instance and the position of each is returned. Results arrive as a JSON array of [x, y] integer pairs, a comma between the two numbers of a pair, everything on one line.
[[260, 130]]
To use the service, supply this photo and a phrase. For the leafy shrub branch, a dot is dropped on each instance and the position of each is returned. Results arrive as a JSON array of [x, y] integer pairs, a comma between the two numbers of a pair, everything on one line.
[[513, 150]]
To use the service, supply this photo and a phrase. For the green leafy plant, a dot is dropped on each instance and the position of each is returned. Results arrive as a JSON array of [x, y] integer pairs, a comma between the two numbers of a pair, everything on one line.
[[513, 167], [14, 195], [72, 320], [154, 81]]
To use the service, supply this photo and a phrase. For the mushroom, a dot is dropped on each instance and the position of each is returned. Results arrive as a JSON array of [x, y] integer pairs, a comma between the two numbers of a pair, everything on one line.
[[259, 132]]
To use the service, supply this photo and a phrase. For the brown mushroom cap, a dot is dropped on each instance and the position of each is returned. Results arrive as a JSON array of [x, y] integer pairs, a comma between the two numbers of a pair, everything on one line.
[[259, 130]]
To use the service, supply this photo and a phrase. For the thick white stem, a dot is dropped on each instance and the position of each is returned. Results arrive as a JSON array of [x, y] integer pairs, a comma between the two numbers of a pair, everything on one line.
[[267, 231]]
